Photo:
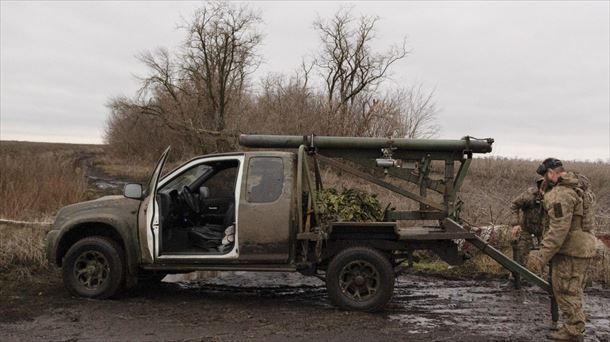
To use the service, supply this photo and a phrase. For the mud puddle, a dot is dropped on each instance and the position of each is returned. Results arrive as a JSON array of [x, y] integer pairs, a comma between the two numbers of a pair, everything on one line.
[[426, 306], [96, 177], [285, 306]]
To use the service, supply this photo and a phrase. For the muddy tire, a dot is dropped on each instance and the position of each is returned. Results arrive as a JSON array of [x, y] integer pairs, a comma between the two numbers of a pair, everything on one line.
[[360, 278], [94, 267]]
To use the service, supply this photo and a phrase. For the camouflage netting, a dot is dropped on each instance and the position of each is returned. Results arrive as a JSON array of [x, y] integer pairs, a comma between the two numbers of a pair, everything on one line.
[[350, 205]]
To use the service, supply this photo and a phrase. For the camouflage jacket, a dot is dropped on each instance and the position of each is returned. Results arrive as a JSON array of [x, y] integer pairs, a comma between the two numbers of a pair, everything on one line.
[[528, 207], [564, 210]]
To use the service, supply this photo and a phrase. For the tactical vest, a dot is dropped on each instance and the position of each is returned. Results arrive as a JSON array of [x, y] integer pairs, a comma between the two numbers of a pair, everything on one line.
[[532, 219]]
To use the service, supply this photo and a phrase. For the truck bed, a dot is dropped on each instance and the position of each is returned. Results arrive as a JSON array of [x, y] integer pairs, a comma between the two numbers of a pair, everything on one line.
[[431, 233], [418, 233]]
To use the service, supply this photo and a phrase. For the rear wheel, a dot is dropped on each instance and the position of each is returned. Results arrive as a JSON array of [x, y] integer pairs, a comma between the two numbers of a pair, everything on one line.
[[94, 268], [360, 278]]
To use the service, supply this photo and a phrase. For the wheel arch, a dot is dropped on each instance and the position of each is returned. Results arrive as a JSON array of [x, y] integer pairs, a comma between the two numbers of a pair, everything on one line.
[[86, 229], [354, 234]]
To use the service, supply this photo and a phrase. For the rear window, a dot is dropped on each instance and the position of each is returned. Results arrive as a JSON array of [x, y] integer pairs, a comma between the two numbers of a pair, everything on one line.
[[265, 179]]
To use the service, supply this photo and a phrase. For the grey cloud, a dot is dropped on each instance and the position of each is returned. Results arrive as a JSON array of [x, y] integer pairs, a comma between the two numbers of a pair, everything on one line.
[[524, 73]]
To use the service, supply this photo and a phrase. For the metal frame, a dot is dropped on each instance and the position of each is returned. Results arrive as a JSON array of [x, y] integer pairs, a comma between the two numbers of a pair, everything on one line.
[[449, 186], [368, 154]]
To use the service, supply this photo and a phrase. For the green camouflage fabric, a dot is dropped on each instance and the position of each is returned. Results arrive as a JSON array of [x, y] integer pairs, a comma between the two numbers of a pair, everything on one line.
[[522, 245], [528, 208], [568, 284]]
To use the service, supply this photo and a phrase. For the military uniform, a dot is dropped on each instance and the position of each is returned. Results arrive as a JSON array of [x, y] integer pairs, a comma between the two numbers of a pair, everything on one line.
[[528, 206], [569, 249]]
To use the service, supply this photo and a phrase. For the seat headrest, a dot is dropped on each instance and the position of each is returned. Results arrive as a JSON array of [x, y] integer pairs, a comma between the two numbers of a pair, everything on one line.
[[204, 192]]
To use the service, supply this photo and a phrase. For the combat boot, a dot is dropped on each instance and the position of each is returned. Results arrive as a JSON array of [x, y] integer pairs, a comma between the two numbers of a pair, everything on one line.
[[563, 335]]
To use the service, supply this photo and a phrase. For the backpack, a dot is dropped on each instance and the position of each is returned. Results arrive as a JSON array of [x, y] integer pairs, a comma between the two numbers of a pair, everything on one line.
[[588, 202]]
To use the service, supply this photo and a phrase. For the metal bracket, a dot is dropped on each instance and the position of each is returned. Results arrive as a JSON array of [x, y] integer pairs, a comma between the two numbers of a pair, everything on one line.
[[381, 183]]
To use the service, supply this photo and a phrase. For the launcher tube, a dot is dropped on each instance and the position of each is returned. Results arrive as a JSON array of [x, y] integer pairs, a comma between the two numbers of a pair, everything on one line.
[[325, 142]]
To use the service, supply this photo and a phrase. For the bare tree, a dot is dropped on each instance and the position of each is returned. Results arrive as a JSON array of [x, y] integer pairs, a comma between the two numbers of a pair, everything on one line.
[[405, 113], [220, 54], [193, 92], [348, 64], [198, 98], [418, 118], [286, 105]]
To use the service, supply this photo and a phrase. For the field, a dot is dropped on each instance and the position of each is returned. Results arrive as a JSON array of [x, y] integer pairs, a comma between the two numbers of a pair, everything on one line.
[[430, 300]]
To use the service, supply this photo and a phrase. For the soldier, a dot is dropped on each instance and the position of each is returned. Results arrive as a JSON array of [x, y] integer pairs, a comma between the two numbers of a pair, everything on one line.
[[566, 245], [528, 207]]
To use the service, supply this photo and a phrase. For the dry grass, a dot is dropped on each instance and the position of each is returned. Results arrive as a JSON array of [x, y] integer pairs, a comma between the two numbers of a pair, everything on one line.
[[35, 182], [134, 169], [36, 179], [599, 270], [22, 252]]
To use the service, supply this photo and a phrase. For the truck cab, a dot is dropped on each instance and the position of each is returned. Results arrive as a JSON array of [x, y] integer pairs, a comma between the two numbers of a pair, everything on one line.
[[224, 211], [216, 210]]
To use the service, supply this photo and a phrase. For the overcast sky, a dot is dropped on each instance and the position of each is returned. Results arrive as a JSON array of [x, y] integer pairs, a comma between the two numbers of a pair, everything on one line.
[[533, 75]]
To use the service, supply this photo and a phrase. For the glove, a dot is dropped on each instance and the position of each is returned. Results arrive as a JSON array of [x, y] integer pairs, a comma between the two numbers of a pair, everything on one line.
[[535, 262]]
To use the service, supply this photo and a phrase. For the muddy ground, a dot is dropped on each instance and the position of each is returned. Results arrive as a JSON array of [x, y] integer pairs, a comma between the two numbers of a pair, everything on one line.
[[280, 307]]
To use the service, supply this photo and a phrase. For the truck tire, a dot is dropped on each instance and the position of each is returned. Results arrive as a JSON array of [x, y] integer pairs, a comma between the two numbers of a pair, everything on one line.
[[94, 267], [360, 278]]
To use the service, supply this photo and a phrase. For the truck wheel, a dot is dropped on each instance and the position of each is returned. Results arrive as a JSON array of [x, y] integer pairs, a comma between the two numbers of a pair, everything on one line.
[[360, 278], [94, 268]]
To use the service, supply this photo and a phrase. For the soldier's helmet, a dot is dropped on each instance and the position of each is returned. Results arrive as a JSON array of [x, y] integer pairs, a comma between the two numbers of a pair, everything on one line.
[[548, 163]]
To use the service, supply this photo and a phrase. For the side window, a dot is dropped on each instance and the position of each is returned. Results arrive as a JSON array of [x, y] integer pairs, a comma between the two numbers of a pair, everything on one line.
[[265, 179], [222, 184]]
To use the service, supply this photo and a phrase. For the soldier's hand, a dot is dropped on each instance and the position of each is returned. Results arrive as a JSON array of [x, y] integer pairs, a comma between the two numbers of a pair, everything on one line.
[[516, 231], [535, 263]]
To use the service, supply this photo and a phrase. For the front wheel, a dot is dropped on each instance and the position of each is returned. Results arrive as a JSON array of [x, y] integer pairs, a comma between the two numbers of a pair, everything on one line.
[[94, 268], [360, 278]]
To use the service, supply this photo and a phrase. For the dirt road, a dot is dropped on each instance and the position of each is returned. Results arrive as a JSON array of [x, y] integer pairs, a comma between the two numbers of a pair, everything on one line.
[[280, 307]]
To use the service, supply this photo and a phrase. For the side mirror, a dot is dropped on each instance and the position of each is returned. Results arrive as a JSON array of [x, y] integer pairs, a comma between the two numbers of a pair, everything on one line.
[[133, 190]]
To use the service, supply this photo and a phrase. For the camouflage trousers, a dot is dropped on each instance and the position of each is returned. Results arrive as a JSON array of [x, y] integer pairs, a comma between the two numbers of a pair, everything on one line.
[[568, 276], [522, 245]]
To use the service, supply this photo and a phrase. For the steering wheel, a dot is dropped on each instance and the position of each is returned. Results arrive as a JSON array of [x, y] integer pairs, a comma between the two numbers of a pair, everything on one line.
[[190, 199]]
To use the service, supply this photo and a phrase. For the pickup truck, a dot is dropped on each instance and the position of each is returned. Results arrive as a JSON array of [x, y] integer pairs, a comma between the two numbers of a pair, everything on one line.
[[256, 211]]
